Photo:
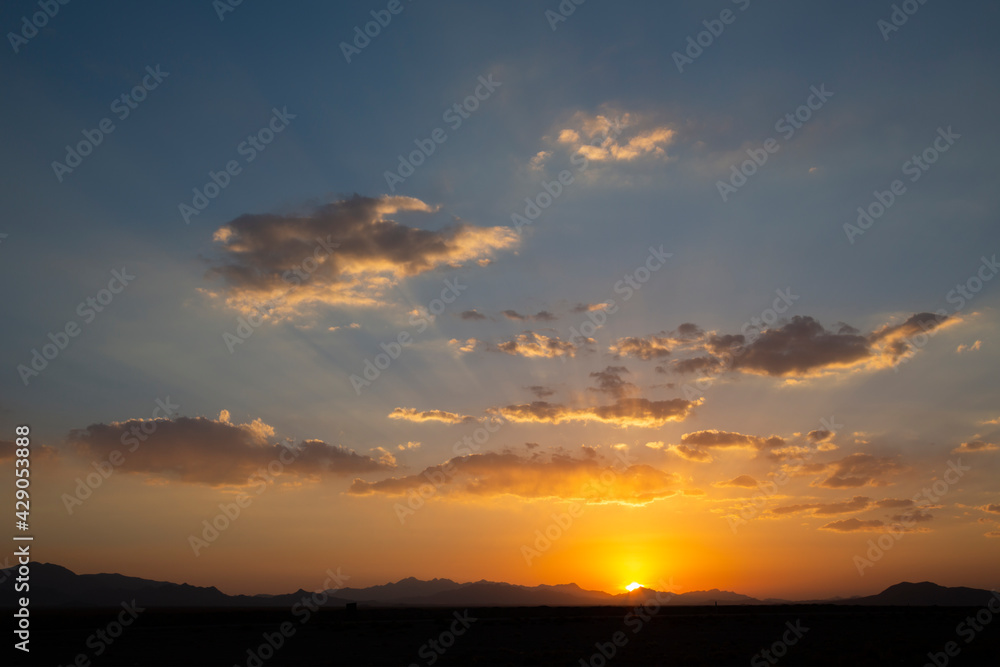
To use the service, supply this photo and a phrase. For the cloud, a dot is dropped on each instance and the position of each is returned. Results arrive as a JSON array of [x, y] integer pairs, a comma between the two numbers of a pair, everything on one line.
[[853, 524], [610, 382], [802, 348], [409, 445], [541, 392], [694, 446], [344, 253], [969, 348], [213, 452], [913, 516], [528, 344], [538, 161], [804, 469], [649, 347], [472, 315], [589, 307], [38, 451], [855, 504], [622, 139], [622, 413], [703, 364], [860, 470], [819, 435], [995, 509], [414, 415], [975, 446], [352, 325], [692, 453], [743, 481], [541, 316], [532, 476], [894, 503]]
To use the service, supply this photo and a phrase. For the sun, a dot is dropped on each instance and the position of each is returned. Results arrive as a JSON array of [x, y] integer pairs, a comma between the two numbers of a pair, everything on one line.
[[631, 587]]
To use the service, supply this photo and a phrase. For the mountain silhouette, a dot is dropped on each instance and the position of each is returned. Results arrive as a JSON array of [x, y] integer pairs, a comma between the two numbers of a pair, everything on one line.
[[56, 586]]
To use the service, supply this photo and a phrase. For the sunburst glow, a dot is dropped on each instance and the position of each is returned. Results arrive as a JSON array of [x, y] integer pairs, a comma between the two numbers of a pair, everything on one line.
[[631, 587]]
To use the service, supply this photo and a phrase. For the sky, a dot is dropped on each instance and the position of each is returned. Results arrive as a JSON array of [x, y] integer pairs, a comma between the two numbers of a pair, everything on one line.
[[697, 295]]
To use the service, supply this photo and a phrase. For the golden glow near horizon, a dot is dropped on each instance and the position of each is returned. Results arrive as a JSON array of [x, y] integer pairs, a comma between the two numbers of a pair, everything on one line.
[[631, 587]]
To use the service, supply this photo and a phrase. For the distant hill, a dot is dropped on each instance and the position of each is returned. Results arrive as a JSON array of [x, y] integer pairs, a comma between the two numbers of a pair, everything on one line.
[[925, 594], [56, 586]]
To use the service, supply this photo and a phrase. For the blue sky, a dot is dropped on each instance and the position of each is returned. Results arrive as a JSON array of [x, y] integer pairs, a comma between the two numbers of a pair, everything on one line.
[[163, 335]]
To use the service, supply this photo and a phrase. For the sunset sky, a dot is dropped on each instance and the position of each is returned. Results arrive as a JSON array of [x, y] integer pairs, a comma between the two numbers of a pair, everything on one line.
[[638, 305]]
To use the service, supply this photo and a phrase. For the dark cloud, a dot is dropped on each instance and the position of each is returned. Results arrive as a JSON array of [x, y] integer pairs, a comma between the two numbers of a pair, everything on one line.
[[588, 307], [913, 516], [610, 382], [541, 392], [344, 253], [541, 316], [855, 504], [853, 524], [213, 452], [894, 503], [819, 435], [689, 330], [801, 347], [472, 315]]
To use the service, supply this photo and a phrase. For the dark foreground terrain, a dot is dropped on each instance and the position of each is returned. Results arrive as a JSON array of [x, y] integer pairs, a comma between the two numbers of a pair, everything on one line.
[[822, 635]]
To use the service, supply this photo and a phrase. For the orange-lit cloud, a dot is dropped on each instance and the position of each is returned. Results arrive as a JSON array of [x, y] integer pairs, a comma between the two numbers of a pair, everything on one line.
[[614, 138], [623, 413], [589, 307], [414, 415], [528, 344], [532, 476], [348, 252], [645, 348], [213, 452], [969, 348], [974, 447]]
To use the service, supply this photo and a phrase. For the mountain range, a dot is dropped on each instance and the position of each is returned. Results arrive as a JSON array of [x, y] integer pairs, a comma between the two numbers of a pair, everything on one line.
[[55, 586]]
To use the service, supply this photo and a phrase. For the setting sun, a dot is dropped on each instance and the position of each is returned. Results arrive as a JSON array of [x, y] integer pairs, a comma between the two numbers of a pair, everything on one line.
[[631, 587]]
